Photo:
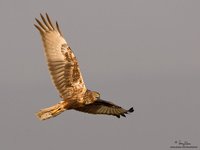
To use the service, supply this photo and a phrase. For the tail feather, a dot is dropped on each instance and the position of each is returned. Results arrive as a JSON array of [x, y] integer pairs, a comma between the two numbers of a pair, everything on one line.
[[52, 111]]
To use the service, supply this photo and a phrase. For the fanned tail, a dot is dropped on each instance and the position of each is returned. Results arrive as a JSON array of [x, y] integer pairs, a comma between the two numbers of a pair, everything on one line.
[[52, 111]]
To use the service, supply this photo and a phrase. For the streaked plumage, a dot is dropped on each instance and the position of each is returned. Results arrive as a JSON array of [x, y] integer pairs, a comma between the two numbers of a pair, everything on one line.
[[67, 78]]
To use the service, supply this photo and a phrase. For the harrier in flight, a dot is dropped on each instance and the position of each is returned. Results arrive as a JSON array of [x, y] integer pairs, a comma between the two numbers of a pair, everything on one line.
[[67, 78]]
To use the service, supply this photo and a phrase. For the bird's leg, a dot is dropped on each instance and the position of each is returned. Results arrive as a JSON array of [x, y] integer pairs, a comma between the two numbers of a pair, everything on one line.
[[52, 111]]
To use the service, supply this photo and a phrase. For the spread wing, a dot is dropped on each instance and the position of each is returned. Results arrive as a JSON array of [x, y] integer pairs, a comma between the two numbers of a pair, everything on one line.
[[62, 63], [104, 107]]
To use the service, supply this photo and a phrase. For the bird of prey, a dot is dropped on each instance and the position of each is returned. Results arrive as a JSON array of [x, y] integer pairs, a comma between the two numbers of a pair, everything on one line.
[[67, 78]]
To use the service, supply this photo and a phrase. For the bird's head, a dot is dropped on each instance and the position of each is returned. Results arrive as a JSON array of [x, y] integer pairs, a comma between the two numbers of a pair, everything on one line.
[[93, 94], [96, 94]]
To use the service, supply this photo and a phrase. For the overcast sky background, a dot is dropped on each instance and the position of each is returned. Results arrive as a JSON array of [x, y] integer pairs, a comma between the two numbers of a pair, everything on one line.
[[144, 54]]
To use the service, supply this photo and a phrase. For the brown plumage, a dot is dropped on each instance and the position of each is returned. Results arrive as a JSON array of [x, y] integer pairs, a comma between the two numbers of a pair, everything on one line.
[[67, 78]]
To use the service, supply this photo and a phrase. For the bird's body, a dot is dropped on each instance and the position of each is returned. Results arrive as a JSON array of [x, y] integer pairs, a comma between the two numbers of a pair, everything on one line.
[[67, 78]]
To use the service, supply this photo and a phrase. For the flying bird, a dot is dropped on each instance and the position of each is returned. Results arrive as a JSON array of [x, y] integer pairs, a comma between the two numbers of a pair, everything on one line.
[[67, 77]]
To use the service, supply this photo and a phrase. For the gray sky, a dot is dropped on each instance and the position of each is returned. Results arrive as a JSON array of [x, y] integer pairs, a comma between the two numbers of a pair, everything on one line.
[[136, 53]]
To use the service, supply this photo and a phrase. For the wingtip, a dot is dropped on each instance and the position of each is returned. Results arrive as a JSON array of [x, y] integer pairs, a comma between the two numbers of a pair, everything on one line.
[[46, 14], [41, 15], [123, 115], [118, 116], [37, 21], [39, 28], [58, 28], [131, 110]]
